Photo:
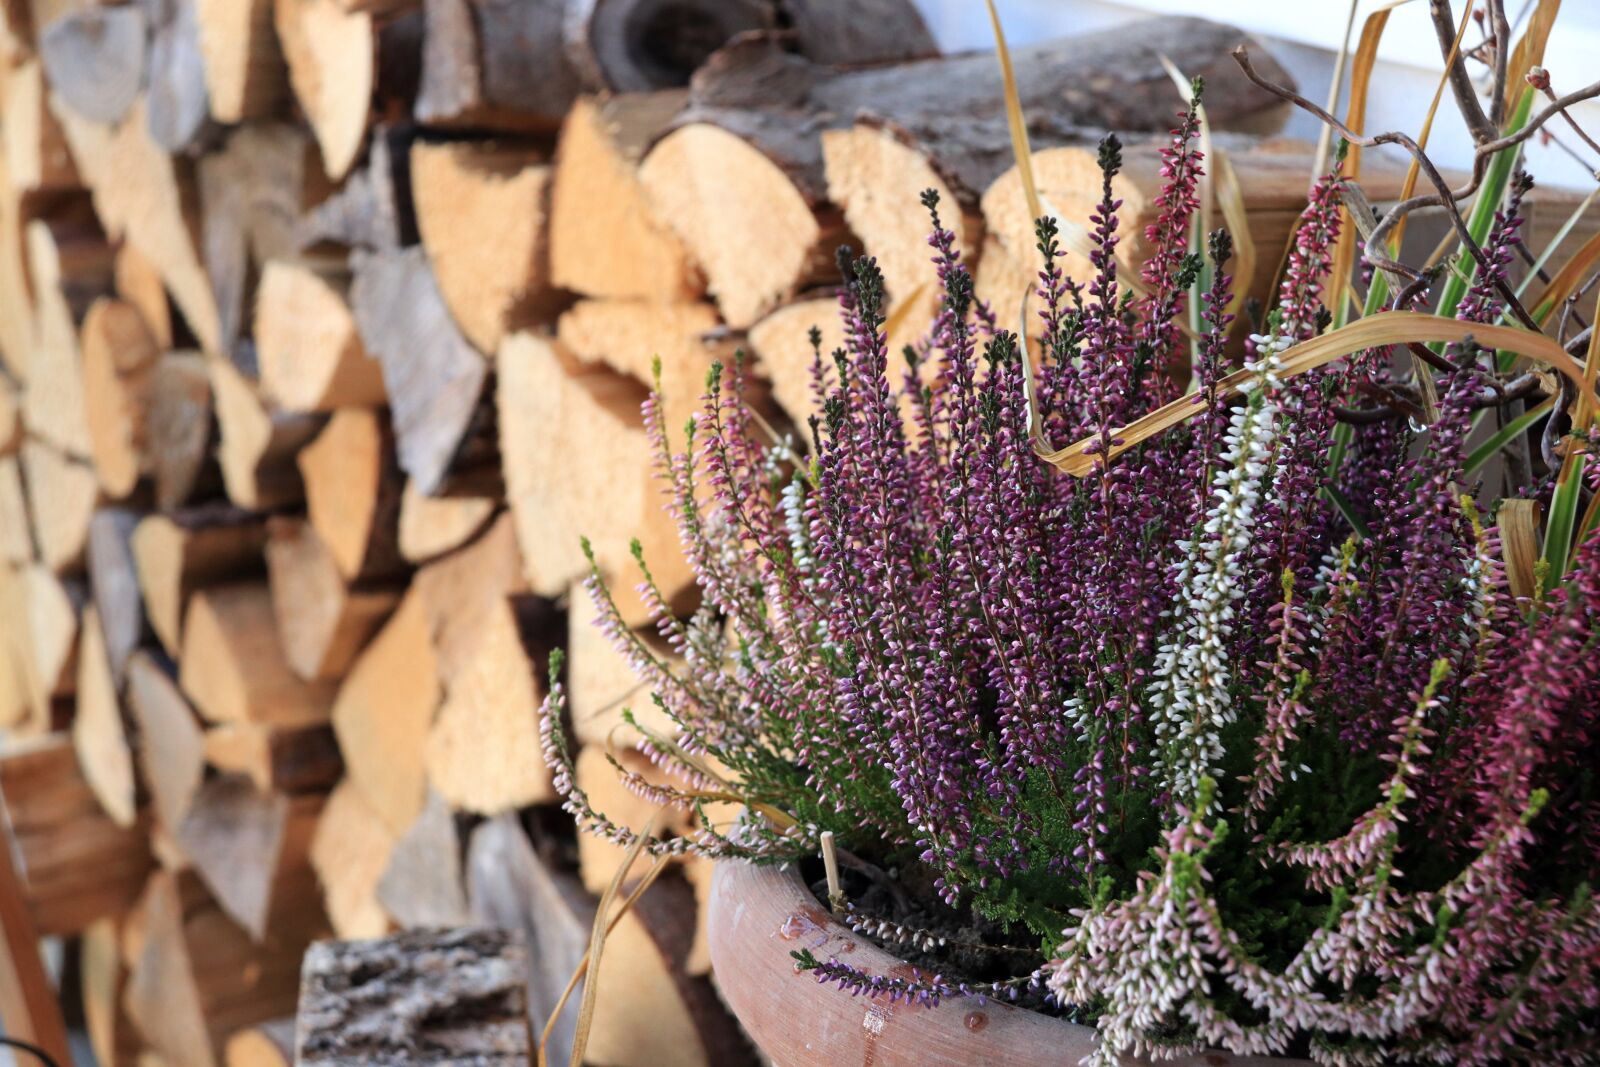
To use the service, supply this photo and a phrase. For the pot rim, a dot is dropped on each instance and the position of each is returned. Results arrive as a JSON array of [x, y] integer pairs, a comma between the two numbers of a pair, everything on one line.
[[758, 914]]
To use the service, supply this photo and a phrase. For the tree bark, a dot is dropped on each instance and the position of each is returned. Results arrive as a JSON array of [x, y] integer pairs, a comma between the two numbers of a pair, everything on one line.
[[421, 997]]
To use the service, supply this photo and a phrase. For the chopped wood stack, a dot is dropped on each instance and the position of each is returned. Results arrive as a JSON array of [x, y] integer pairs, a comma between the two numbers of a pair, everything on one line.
[[324, 328]]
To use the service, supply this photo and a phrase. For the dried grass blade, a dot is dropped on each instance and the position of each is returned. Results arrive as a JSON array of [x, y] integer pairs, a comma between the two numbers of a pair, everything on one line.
[[603, 925], [1563, 522], [1555, 242], [1015, 120], [1568, 278], [1361, 67], [1529, 51], [1505, 435], [1519, 544], [1230, 195], [1325, 141], [1414, 171], [1384, 328]]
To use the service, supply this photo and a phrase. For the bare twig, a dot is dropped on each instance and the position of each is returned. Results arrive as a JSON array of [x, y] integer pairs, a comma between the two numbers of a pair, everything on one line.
[[1466, 94], [1444, 196]]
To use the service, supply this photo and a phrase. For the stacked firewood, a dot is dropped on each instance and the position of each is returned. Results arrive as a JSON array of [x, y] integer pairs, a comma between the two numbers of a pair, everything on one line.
[[324, 328]]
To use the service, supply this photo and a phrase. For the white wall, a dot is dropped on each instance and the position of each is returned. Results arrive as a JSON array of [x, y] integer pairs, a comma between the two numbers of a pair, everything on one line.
[[1304, 35]]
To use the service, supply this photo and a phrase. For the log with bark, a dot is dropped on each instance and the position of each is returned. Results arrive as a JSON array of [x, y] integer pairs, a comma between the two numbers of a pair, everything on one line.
[[742, 178], [407, 998]]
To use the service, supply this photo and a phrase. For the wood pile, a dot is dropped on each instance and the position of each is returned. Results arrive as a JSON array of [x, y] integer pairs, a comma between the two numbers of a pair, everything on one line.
[[324, 327]]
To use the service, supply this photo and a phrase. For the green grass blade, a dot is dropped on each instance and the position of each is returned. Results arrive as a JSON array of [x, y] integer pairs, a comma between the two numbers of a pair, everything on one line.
[[1563, 517], [1504, 436]]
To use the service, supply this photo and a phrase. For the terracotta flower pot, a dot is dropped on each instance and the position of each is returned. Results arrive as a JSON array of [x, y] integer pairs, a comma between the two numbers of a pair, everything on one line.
[[761, 914]]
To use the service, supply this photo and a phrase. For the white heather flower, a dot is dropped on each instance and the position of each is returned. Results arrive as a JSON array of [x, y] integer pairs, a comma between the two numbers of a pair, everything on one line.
[[1190, 695]]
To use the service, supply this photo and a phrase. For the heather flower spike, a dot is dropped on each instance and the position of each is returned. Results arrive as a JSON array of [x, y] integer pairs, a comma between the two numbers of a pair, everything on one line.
[[1242, 741]]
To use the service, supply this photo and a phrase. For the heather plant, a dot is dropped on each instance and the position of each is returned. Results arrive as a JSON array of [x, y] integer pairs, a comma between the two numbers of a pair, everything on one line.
[[1253, 733]]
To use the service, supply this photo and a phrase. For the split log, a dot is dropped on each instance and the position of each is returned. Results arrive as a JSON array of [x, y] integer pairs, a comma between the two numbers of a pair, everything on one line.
[[461, 592], [483, 752], [136, 280], [512, 888], [197, 978], [643, 972], [141, 195], [431, 526], [233, 665], [16, 299], [244, 66], [322, 622], [756, 113], [350, 851], [421, 885], [16, 532], [178, 552], [758, 238], [495, 63], [632, 336], [10, 415], [384, 710], [332, 58], [605, 238], [438, 385], [171, 742], [482, 209], [179, 115], [600, 683], [102, 978], [178, 429], [36, 155], [605, 489], [259, 443], [293, 760], [782, 344], [95, 59], [98, 732], [640, 975], [45, 639], [403, 998], [120, 356], [599, 860], [114, 579], [252, 850], [353, 490], [372, 209], [1004, 280], [268, 1044], [876, 175], [310, 352], [69, 264], [75, 865], [252, 195], [62, 494]]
